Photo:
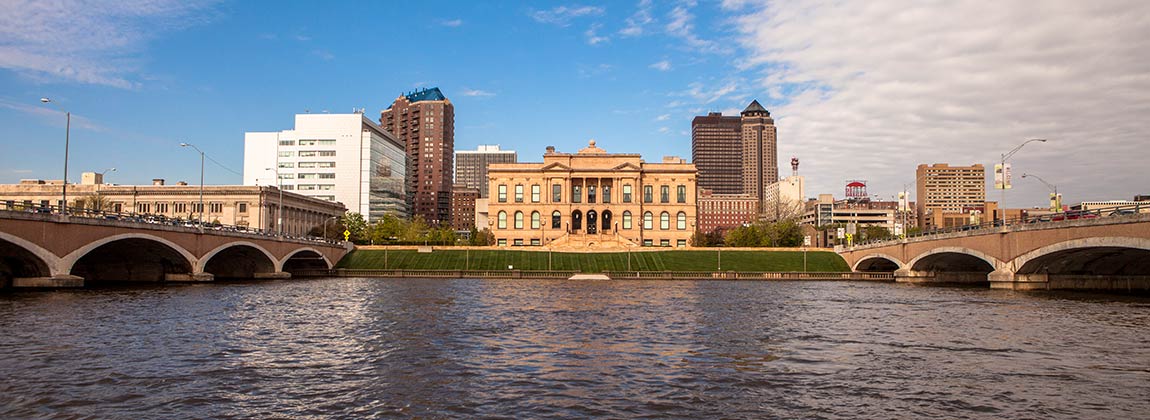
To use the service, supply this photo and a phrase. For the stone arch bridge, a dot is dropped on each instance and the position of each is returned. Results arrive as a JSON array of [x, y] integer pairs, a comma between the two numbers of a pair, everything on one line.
[[1107, 253], [51, 250]]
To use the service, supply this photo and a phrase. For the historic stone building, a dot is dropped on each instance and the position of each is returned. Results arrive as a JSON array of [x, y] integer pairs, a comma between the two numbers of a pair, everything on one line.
[[592, 199]]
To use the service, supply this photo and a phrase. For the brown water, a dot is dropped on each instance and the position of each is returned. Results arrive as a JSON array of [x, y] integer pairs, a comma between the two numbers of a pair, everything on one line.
[[368, 348]]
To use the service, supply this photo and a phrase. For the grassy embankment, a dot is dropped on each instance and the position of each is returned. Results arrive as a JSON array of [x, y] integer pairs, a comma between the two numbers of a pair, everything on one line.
[[700, 260]]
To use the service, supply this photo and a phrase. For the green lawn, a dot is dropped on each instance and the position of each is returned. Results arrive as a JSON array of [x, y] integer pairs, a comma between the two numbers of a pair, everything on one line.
[[700, 260]]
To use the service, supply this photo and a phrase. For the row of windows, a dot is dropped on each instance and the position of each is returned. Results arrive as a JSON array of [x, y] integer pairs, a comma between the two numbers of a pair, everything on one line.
[[680, 243], [307, 176], [577, 193], [306, 153], [308, 142], [557, 220], [306, 164]]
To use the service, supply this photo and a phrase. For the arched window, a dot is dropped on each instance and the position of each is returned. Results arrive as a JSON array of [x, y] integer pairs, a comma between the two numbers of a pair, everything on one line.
[[556, 220], [627, 219], [502, 220], [576, 220], [664, 220], [519, 220], [681, 221], [535, 219], [648, 221]]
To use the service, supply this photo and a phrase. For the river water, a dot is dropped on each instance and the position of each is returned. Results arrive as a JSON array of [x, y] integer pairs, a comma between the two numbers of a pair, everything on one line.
[[375, 348]]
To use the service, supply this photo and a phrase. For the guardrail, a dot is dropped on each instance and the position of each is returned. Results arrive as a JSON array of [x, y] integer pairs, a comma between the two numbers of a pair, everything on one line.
[[149, 219], [617, 275], [1053, 218]]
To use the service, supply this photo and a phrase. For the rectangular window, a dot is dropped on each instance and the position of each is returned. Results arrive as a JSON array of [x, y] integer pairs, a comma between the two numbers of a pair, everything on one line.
[[306, 176], [681, 194], [285, 165], [502, 196], [143, 207], [307, 142], [556, 193], [534, 242], [307, 164], [287, 142], [326, 153], [326, 176], [591, 194], [519, 193], [501, 242], [180, 208], [242, 207], [287, 187], [286, 154], [535, 193], [576, 194], [518, 242], [664, 242], [326, 187], [326, 165], [648, 242], [627, 193], [305, 187], [648, 193], [161, 208], [215, 207], [664, 194], [606, 194], [307, 153]]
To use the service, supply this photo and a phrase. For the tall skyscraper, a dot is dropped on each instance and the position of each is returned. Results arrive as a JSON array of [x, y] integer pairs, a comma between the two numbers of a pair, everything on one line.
[[760, 150], [471, 166], [736, 155], [947, 195], [424, 121], [335, 157], [717, 152]]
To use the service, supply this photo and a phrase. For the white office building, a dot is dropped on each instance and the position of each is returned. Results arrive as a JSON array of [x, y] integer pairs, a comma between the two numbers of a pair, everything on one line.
[[337, 157]]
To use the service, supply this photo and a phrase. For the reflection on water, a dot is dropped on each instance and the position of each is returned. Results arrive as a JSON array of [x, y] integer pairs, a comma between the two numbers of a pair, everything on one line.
[[491, 348]]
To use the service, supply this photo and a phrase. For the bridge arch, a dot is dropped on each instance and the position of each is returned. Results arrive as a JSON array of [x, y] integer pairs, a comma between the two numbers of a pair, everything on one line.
[[241, 259], [952, 258], [1098, 256], [878, 263], [305, 258], [129, 257], [22, 258]]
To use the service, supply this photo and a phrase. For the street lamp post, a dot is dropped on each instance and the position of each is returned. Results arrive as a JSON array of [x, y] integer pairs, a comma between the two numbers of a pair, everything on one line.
[[325, 225], [99, 205], [67, 140], [280, 206], [201, 205], [1053, 188], [1002, 167]]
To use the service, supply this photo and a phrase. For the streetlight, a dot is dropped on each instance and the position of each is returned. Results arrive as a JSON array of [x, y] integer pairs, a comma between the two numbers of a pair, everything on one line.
[[325, 225], [280, 206], [100, 206], [201, 182], [1053, 190], [67, 140], [1003, 185]]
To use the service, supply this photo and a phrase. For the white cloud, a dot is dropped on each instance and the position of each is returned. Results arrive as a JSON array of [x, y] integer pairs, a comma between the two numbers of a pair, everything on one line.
[[562, 15], [637, 23], [592, 37], [51, 114], [873, 89], [681, 25], [475, 92], [663, 117], [664, 65], [701, 93], [324, 55], [81, 42], [453, 23]]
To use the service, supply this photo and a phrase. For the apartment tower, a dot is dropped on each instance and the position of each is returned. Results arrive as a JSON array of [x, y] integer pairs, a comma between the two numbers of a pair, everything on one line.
[[471, 166], [424, 121], [947, 195]]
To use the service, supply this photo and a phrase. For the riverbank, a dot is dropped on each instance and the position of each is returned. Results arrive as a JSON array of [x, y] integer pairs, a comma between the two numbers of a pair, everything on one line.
[[705, 260]]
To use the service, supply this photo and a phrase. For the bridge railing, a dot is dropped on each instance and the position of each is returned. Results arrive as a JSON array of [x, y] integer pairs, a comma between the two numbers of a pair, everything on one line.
[[618, 275], [149, 219], [1052, 218]]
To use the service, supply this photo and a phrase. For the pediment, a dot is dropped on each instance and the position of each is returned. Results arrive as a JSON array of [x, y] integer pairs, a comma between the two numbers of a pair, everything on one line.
[[556, 167], [627, 166]]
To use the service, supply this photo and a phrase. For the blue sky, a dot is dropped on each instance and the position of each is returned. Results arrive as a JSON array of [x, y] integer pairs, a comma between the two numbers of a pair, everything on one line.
[[859, 90]]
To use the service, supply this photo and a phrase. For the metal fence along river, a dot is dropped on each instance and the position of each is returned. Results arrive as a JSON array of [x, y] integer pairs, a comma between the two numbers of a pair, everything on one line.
[[520, 348]]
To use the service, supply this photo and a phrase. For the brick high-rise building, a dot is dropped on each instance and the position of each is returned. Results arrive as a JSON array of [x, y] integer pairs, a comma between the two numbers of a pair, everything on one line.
[[717, 152], [947, 195], [760, 151], [424, 121], [471, 166]]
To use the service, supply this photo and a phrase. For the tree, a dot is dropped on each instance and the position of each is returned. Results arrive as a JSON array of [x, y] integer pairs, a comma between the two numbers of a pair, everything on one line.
[[876, 233], [744, 236], [94, 202], [387, 229], [355, 224], [415, 231], [700, 239]]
